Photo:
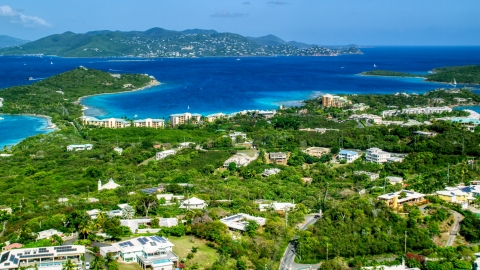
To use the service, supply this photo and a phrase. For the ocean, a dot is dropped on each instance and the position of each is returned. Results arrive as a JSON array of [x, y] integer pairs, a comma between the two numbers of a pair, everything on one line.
[[15, 128], [211, 85]]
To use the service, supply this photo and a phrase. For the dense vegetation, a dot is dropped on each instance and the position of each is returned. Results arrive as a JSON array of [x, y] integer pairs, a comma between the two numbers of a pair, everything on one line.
[[462, 74], [40, 171], [158, 42], [56, 96]]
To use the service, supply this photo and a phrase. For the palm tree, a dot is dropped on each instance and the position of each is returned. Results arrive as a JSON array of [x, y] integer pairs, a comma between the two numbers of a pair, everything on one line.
[[68, 265], [110, 262], [97, 263], [85, 228]]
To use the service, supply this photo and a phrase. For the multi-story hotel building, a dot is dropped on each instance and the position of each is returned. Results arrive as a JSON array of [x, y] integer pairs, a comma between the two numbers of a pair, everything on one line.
[[376, 155], [182, 118], [212, 117], [335, 101], [149, 122], [419, 110], [108, 123]]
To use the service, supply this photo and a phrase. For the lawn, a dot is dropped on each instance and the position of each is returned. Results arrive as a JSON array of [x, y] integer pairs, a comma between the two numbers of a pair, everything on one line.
[[205, 256], [129, 266]]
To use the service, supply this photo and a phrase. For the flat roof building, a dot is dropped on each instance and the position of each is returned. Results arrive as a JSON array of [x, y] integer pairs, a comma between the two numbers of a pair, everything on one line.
[[240, 221], [397, 199], [149, 122], [348, 155], [182, 118], [79, 147], [164, 154]]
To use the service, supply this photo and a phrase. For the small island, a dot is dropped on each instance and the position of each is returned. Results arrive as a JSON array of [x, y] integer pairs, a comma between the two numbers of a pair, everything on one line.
[[456, 74]]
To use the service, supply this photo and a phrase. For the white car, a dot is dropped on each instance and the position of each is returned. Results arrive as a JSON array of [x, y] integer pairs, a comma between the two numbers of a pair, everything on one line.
[[87, 265]]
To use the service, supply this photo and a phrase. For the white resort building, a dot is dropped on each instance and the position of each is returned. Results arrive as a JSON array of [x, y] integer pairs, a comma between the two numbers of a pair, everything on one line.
[[369, 118], [182, 118], [149, 122], [48, 258], [79, 147], [418, 110], [107, 123], [376, 155], [150, 252], [212, 117]]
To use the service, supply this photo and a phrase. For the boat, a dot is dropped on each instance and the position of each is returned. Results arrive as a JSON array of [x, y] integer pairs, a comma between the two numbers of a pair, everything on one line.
[[1, 118], [374, 65], [454, 81], [30, 78], [51, 63]]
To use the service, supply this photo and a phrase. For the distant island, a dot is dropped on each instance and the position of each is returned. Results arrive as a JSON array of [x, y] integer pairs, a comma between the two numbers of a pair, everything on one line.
[[8, 41], [458, 74], [57, 96], [158, 42]]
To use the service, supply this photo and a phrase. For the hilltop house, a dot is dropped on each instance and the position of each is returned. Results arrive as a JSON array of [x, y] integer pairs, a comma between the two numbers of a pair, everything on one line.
[[193, 203], [110, 185], [396, 200], [164, 154], [240, 221], [278, 157], [348, 155], [79, 147], [43, 257]]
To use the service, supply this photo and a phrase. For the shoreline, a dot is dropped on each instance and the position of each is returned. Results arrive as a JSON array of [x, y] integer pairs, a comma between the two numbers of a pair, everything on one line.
[[152, 83], [50, 124], [416, 77]]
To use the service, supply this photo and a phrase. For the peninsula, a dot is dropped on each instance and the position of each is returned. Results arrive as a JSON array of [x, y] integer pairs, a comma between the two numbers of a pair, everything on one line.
[[158, 42], [458, 74]]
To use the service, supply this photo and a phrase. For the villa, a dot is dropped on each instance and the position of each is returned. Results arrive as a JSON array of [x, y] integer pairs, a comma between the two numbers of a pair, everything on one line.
[[182, 118], [396, 200], [393, 180], [79, 147], [107, 123], [376, 155], [240, 221], [348, 155], [164, 154], [149, 122], [119, 150], [153, 252], [236, 135], [110, 185], [193, 203], [454, 195], [48, 233], [278, 157], [372, 176], [268, 172], [267, 114], [276, 206], [43, 257], [240, 160]]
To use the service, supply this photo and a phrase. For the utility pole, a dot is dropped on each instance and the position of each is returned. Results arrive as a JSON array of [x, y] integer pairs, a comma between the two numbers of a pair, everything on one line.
[[448, 173], [405, 241]]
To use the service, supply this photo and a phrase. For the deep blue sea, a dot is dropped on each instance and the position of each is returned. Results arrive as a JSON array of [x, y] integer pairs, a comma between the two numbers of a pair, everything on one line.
[[210, 85]]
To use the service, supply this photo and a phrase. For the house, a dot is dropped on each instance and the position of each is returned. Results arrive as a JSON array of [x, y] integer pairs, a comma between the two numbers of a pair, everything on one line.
[[93, 213], [240, 160], [44, 257], [62, 200], [149, 122], [119, 150], [212, 117], [115, 213], [193, 203], [240, 221], [179, 119], [268, 172], [79, 147], [276, 206], [107, 123], [278, 157], [376, 155], [6, 209], [168, 197], [134, 224], [369, 118], [348, 155], [185, 145], [93, 200], [164, 154], [267, 114], [316, 151], [235, 135], [455, 195], [1, 102], [393, 180], [12, 246], [152, 252], [48, 233], [110, 185], [372, 176], [396, 200], [425, 133]]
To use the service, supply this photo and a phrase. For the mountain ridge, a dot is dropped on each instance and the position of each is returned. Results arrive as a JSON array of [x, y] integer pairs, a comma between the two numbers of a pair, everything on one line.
[[160, 42], [8, 41]]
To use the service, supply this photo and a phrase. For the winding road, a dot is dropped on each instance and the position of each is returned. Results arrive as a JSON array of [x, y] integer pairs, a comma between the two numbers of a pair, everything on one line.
[[288, 260]]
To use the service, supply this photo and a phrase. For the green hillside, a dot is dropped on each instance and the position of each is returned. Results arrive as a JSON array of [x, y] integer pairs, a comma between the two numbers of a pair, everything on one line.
[[7, 41], [158, 42]]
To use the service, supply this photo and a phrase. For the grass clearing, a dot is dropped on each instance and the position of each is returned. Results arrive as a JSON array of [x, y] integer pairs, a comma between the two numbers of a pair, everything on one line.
[[205, 256], [129, 266]]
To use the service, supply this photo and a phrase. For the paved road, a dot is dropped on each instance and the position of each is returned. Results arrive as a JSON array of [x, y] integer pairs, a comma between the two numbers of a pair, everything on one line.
[[4, 224], [455, 228], [288, 260]]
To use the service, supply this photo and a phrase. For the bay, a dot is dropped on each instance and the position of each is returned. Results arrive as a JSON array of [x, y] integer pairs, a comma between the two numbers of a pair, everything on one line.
[[15, 128], [210, 85]]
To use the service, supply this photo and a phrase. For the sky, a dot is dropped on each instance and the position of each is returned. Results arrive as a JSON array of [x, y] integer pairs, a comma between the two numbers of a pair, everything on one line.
[[323, 22]]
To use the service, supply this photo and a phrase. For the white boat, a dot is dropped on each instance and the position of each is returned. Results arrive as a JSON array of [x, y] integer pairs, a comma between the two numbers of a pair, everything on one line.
[[374, 65], [51, 63], [238, 59], [30, 78], [454, 81], [1, 118]]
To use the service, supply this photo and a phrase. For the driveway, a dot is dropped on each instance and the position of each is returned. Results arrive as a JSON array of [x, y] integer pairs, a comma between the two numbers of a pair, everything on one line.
[[288, 260], [457, 217]]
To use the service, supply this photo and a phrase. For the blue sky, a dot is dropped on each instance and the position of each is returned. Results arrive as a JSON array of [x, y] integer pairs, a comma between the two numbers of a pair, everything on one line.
[[332, 22]]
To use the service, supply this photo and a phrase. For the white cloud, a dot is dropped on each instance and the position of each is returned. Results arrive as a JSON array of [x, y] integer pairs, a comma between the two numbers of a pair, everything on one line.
[[225, 14], [19, 18]]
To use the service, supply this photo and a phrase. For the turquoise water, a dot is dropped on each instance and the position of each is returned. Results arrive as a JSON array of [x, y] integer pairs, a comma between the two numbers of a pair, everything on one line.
[[15, 128], [161, 261], [473, 108]]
